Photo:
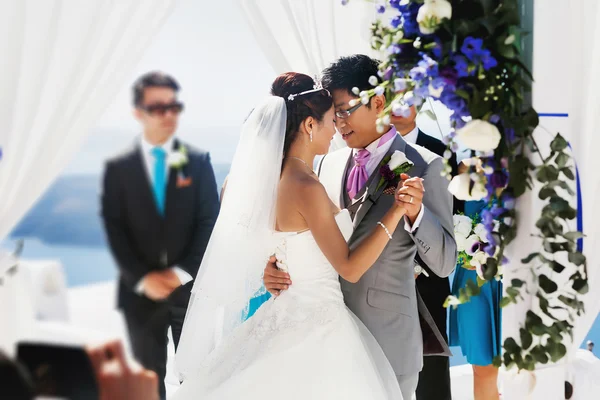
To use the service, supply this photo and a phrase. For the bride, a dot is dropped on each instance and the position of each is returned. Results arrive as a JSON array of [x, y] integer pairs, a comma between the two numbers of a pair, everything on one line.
[[305, 343]]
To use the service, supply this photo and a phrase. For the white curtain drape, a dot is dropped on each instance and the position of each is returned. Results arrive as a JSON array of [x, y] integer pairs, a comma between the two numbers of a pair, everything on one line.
[[63, 61]]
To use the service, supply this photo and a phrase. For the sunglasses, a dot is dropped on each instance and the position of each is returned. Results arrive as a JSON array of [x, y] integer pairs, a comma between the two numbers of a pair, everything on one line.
[[162, 109]]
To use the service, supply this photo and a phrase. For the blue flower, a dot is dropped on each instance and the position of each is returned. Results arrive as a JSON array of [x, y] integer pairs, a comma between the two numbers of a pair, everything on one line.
[[454, 103], [495, 118], [380, 8], [394, 49], [508, 200], [396, 21], [399, 85], [437, 49], [430, 65], [510, 135], [490, 250], [417, 74], [395, 4], [344, 2], [472, 48], [487, 60], [462, 66], [422, 91], [497, 211]]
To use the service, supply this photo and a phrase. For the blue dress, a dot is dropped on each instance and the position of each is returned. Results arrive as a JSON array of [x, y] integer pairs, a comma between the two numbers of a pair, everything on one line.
[[476, 326]]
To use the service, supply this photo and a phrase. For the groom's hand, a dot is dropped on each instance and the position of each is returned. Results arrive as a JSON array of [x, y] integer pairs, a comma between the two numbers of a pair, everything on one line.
[[158, 285], [275, 280], [410, 195]]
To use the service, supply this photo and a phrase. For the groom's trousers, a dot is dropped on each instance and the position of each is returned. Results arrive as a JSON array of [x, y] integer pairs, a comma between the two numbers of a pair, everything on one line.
[[148, 323]]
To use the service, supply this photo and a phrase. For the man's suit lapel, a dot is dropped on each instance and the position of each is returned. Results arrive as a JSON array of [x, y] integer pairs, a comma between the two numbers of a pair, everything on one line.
[[141, 178], [172, 192], [372, 194]]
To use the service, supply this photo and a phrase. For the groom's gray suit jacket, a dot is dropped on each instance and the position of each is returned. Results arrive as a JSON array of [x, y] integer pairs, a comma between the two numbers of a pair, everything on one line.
[[385, 298]]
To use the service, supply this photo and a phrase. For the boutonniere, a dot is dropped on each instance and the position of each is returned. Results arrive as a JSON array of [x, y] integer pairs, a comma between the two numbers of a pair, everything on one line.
[[392, 166], [177, 160]]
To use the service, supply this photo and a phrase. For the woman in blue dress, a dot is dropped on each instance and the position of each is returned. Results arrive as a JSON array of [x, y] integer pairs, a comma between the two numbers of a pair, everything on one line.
[[476, 325]]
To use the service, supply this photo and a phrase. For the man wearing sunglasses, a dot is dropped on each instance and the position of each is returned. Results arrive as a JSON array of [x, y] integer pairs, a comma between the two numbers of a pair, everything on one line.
[[159, 206]]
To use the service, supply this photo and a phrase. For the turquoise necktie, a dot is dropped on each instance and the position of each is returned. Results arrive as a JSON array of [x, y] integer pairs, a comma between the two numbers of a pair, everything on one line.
[[160, 173]]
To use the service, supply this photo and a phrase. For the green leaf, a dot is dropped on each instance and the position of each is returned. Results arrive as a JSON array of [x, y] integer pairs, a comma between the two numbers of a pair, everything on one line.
[[539, 354], [462, 93], [497, 362], [532, 320], [557, 350], [546, 192], [526, 338], [557, 267], [581, 286], [517, 283], [576, 258], [547, 284], [491, 269], [558, 143], [573, 235], [430, 114], [505, 302], [528, 259], [568, 172], [507, 51], [511, 346], [562, 159], [472, 289]]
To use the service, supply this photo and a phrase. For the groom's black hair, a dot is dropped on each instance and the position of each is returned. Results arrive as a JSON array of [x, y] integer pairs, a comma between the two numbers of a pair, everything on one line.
[[152, 79], [350, 72]]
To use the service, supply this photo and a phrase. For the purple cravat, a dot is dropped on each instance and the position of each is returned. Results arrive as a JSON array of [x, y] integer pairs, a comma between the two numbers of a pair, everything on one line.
[[358, 175]]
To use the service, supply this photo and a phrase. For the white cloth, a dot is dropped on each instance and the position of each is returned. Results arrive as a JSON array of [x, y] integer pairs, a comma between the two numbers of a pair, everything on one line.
[[411, 137], [377, 154], [242, 238], [304, 344], [149, 162]]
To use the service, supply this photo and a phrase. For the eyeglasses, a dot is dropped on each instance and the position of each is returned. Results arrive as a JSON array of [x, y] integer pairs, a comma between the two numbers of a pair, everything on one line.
[[162, 109], [343, 114]]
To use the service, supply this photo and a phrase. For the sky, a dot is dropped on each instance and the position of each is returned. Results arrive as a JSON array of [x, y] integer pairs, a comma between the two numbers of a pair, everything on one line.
[[209, 48]]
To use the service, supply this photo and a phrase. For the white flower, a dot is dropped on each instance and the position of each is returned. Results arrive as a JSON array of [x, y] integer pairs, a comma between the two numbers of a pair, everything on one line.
[[509, 40], [431, 14], [386, 120], [379, 90], [469, 243], [433, 92], [481, 232], [461, 242], [353, 102], [355, 90], [479, 259], [373, 80], [398, 158], [176, 159], [462, 225], [479, 135], [364, 100], [459, 187], [417, 43]]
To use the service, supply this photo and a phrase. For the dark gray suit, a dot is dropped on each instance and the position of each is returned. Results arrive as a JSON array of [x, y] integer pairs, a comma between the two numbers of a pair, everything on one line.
[[385, 298], [142, 240]]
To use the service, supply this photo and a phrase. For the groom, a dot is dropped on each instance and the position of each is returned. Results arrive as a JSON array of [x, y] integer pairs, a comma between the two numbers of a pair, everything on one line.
[[159, 206], [385, 298]]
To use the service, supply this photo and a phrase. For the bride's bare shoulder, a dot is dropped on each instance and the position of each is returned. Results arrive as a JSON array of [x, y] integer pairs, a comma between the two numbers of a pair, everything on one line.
[[302, 187]]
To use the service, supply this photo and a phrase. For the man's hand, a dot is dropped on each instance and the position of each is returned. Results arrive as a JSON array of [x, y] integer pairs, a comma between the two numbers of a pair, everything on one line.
[[117, 379], [411, 195], [158, 285], [275, 280]]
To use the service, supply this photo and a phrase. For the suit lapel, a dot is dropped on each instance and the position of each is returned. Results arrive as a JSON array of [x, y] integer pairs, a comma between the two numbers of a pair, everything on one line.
[[171, 194], [372, 194]]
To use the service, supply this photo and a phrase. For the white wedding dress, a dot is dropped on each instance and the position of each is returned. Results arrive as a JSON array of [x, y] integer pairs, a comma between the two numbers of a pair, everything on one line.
[[304, 344]]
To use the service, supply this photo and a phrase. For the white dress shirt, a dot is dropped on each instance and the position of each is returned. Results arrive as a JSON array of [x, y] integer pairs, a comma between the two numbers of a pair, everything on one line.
[[377, 154], [149, 162]]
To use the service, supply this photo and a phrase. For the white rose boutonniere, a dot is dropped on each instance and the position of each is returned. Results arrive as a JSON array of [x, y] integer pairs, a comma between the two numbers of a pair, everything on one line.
[[392, 167], [179, 158]]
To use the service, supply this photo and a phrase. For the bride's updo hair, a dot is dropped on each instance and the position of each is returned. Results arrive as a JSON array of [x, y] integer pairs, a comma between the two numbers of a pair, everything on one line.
[[314, 104]]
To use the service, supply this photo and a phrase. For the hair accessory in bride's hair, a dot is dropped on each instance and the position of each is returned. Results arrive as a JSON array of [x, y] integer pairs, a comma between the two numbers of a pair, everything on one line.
[[317, 87]]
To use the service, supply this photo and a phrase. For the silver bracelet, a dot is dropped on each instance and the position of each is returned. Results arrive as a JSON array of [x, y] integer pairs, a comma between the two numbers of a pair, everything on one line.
[[385, 229]]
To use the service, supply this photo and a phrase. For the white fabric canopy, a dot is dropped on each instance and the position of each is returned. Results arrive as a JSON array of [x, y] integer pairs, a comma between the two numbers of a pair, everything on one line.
[[306, 36], [63, 61]]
